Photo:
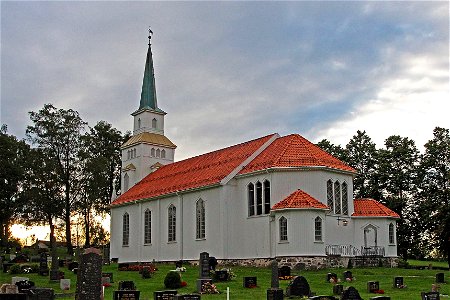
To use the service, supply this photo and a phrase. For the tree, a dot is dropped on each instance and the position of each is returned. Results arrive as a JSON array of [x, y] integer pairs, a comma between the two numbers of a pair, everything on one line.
[[336, 151], [13, 154], [397, 173], [434, 195], [362, 155], [58, 132]]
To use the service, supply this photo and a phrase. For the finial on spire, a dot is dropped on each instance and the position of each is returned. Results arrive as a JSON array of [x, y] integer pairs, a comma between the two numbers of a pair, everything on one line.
[[150, 33]]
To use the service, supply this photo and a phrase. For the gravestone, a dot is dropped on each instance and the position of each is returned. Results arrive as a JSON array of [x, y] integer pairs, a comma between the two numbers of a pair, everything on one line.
[[348, 276], [331, 277], [430, 296], [164, 295], [338, 289], [20, 296], [275, 293], [24, 285], [41, 294], [43, 265], [299, 286], [126, 295], [249, 282], [188, 297], [16, 279], [72, 265], [6, 266], [373, 286], [9, 289], [440, 278], [178, 264], [284, 271], [221, 275], [398, 282], [380, 298], [350, 293], [204, 267], [126, 285], [64, 284], [323, 298], [212, 261], [110, 275], [89, 275]]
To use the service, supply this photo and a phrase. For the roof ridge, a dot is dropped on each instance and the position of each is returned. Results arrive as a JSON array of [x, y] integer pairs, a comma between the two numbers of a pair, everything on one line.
[[291, 137]]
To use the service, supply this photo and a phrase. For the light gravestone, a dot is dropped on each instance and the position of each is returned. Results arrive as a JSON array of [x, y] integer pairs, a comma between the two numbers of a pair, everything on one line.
[[275, 293], [203, 271], [89, 276]]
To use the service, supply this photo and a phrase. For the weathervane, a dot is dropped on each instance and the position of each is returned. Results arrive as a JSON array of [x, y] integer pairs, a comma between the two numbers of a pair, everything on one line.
[[150, 33]]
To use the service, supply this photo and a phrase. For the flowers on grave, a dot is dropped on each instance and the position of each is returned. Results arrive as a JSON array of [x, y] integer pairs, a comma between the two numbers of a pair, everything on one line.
[[350, 279], [172, 280], [334, 280], [290, 277], [139, 268], [106, 284], [183, 283], [379, 291], [180, 269], [401, 286], [209, 288]]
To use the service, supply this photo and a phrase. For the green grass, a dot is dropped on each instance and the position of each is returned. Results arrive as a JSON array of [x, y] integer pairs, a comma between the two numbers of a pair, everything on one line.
[[416, 281], [442, 264]]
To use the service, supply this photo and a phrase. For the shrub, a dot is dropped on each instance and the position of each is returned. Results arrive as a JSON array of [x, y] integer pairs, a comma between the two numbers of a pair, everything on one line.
[[146, 273], [172, 280], [15, 269]]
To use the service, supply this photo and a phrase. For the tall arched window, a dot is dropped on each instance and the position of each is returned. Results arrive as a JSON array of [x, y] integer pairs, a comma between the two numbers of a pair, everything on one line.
[[318, 229], [330, 201], [147, 227], [283, 229], [152, 152], [259, 204], [337, 197], [344, 198], [134, 153], [200, 217], [251, 199], [391, 234], [128, 154], [172, 223], [158, 153], [163, 153], [154, 123], [126, 182], [266, 196], [139, 123], [125, 229]]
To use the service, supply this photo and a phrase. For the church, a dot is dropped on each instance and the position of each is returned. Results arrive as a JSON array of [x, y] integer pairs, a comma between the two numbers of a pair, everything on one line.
[[271, 197]]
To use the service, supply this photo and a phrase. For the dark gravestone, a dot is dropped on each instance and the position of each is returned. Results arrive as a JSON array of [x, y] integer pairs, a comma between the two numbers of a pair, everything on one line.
[[299, 286], [164, 295], [41, 294], [13, 296], [338, 289], [126, 285], [89, 276], [188, 297], [249, 282], [110, 275], [204, 265], [178, 264], [126, 295], [348, 276], [380, 298], [221, 275], [351, 294], [72, 265], [212, 261], [24, 285], [373, 286], [284, 271], [398, 282], [323, 298], [43, 265], [6, 266], [440, 278], [275, 293], [331, 277], [430, 296]]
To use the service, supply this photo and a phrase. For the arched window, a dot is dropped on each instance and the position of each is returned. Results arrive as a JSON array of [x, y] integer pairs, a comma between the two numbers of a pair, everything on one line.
[[200, 217], [134, 153], [125, 229], [147, 227], [330, 201], [266, 196], [152, 152], [337, 197], [139, 123], [251, 199], [128, 154], [154, 123], [259, 203], [318, 229], [344, 198], [126, 182], [158, 152], [391, 234], [283, 229], [172, 224]]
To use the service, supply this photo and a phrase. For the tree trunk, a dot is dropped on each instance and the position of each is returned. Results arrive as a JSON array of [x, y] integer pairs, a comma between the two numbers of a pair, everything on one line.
[[67, 220], [87, 225]]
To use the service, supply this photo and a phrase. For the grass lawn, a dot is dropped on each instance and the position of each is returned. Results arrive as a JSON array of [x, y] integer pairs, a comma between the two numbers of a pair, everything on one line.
[[416, 281]]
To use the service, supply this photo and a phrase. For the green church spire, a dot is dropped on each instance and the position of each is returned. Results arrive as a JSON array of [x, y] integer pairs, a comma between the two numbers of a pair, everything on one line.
[[148, 94]]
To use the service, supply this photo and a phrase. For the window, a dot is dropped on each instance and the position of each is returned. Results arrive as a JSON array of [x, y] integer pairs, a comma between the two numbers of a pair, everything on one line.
[[128, 154], [154, 123], [139, 123], [258, 198], [391, 234], [125, 229], [344, 198], [134, 153], [158, 152], [147, 227], [126, 182], [200, 217], [172, 213], [266, 196], [152, 152], [283, 229], [318, 229], [337, 197], [251, 199], [163, 153], [330, 201]]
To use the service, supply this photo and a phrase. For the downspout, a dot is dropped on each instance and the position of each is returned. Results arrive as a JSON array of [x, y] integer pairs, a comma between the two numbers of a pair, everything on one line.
[[140, 232], [181, 224]]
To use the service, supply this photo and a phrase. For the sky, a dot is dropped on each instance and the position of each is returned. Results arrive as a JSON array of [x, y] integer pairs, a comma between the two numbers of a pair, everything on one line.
[[228, 72]]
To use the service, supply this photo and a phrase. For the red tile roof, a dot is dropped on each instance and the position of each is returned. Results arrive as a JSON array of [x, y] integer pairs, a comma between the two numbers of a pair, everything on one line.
[[368, 207], [294, 151], [200, 171], [299, 199]]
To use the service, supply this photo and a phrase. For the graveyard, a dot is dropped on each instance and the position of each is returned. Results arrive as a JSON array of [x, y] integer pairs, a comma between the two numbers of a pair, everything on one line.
[[148, 281]]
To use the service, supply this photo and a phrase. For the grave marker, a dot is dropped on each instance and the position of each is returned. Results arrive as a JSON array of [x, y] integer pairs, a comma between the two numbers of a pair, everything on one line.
[[348, 276], [398, 282], [380, 298], [430, 296], [64, 284], [249, 282], [41, 294], [284, 271], [338, 289], [127, 285], [331, 277], [164, 295], [43, 265], [89, 276], [373, 286], [126, 295], [275, 293], [299, 286], [350, 293], [187, 297], [323, 298], [204, 266], [24, 285]]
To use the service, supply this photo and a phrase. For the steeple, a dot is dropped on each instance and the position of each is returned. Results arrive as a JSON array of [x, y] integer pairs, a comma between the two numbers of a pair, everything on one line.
[[148, 94]]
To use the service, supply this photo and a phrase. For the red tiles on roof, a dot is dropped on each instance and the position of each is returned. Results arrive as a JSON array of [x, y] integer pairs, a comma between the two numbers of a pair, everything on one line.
[[368, 207], [299, 199]]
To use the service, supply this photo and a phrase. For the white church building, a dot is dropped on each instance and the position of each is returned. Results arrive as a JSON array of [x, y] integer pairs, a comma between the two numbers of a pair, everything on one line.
[[272, 197]]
